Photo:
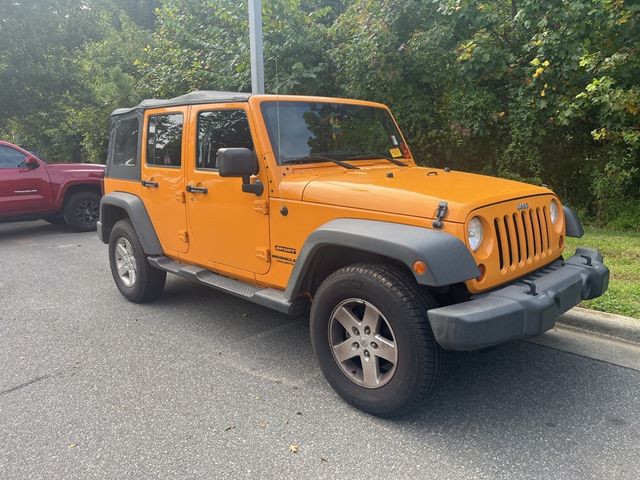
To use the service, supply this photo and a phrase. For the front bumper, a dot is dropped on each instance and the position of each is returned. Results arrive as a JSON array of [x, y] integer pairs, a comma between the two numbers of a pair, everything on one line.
[[100, 231], [524, 308]]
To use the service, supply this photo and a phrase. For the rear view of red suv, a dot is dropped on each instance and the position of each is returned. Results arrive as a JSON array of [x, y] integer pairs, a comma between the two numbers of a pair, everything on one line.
[[59, 193]]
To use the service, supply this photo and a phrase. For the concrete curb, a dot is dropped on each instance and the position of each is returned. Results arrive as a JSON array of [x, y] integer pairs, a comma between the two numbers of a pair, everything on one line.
[[607, 324]]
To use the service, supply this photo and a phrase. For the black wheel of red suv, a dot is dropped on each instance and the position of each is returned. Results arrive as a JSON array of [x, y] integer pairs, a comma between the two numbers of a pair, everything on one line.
[[136, 279], [373, 341], [82, 210]]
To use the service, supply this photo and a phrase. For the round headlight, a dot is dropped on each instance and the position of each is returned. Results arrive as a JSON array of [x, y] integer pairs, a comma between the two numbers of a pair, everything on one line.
[[553, 211], [474, 233]]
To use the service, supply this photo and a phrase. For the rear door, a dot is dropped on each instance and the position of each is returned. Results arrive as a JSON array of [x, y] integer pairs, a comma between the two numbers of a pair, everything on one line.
[[229, 226], [162, 176], [22, 190]]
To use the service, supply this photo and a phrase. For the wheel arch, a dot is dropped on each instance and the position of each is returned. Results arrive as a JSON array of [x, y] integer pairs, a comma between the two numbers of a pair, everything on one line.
[[71, 188], [346, 241], [120, 205]]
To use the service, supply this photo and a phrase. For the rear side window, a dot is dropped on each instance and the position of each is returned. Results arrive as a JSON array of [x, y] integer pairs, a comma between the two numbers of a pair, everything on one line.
[[221, 129], [164, 140], [125, 143], [10, 157]]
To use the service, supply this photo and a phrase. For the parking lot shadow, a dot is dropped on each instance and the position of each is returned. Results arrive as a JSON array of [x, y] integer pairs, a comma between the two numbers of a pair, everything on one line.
[[528, 388], [30, 229]]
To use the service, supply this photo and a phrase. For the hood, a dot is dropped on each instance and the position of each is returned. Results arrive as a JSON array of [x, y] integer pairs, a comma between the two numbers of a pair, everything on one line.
[[78, 169], [414, 191]]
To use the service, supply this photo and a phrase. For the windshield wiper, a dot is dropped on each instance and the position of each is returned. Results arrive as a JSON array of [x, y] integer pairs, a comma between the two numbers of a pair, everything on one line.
[[321, 158], [373, 155]]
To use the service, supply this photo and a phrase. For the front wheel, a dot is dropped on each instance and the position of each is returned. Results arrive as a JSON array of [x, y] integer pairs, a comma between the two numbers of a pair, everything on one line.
[[136, 279], [373, 340]]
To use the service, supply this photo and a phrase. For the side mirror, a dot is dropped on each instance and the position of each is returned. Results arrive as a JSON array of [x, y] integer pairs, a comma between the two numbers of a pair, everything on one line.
[[30, 162], [240, 162]]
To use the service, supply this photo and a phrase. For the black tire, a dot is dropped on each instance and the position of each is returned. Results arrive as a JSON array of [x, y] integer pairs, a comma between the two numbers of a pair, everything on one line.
[[54, 219], [149, 281], [420, 360], [82, 210]]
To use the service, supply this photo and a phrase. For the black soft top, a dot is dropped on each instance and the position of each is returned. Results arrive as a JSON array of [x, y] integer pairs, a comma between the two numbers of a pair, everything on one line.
[[198, 96]]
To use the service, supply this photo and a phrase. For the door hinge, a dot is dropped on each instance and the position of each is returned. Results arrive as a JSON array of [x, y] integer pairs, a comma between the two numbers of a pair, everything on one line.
[[261, 206], [183, 236], [263, 254], [180, 198]]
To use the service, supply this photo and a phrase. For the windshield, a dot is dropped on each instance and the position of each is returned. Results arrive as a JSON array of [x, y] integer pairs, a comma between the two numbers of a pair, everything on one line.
[[307, 131]]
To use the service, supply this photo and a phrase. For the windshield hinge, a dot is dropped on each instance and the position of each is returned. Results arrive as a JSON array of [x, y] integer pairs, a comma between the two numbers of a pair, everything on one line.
[[441, 213]]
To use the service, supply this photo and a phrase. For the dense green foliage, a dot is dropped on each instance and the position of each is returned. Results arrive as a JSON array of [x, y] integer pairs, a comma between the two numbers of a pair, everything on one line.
[[547, 91]]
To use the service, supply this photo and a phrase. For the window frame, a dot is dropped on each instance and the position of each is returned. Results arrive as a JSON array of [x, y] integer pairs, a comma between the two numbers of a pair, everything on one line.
[[20, 164], [121, 171], [146, 139], [197, 133]]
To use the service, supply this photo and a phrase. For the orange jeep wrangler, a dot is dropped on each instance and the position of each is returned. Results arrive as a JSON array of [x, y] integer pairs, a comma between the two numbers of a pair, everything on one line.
[[288, 201]]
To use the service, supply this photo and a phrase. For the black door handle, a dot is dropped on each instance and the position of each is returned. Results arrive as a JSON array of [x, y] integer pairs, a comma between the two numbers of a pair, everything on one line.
[[149, 184], [192, 189]]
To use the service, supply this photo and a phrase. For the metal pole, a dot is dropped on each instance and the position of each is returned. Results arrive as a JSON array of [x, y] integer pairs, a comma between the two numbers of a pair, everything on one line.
[[255, 43]]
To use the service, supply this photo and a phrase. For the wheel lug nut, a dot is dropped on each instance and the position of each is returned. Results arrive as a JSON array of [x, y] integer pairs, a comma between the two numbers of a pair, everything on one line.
[[367, 330], [374, 345], [355, 345], [366, 353], [355, 331]]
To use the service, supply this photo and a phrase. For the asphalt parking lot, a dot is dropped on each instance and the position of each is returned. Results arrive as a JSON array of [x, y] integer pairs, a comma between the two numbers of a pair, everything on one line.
[[203, 385]]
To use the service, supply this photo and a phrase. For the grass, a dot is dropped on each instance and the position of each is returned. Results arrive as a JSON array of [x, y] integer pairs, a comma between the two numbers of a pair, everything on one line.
[[621, 251]]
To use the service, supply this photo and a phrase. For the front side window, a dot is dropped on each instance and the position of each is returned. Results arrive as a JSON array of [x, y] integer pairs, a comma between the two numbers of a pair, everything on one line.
[[10, 157], [125, 142], [304, 131], [221, 129], [164, 140]]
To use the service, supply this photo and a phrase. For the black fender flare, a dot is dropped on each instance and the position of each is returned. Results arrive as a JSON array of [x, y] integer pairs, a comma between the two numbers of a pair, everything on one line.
[[448, 259], [572, 223], [137, 213]]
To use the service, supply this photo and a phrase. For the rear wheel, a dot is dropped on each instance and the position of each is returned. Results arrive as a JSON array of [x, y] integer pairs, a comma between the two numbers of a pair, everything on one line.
[[136, 279], [82, 210], [373, 340]]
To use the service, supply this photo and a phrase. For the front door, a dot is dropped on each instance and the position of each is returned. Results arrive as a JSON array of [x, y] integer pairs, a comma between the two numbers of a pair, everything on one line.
[[22, 190], [230, 227], [162, 176]]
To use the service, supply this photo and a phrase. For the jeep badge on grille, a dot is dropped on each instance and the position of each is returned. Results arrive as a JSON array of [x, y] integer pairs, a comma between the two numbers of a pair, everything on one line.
[[522, 206]]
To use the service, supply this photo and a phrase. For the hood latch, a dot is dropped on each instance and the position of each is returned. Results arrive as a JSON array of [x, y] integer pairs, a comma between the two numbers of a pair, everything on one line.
[[441, 213]]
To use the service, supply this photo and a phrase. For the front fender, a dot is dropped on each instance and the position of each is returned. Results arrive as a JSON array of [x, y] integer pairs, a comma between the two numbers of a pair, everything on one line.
[[447, 258]]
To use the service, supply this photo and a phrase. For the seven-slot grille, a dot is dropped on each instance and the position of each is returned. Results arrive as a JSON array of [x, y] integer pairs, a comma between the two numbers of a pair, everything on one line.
[[523, 237]]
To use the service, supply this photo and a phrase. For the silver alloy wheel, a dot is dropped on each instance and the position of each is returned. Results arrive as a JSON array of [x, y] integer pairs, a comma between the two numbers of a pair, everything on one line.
[[125, 262], [363, 343]]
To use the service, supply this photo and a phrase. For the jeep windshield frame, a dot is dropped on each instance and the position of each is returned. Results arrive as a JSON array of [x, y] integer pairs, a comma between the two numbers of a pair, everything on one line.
[[311, 130]]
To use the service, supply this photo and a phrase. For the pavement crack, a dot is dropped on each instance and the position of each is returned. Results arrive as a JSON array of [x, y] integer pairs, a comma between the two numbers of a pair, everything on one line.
[[25, 384]]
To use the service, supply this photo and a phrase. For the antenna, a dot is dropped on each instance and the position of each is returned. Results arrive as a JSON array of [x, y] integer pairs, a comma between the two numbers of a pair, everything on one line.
[[278, 107]]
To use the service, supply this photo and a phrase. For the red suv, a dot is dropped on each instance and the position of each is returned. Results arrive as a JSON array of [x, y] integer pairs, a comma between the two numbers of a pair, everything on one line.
[[31, 189]]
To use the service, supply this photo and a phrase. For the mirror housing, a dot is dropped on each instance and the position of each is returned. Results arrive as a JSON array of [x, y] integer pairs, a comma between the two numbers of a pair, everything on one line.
[[240, 162], [30, 162]]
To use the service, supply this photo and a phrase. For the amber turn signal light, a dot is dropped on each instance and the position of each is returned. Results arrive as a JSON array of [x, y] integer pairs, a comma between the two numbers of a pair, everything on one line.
[[419, 267]]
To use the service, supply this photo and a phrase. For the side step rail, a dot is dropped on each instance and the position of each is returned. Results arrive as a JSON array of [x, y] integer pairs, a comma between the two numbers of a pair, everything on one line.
[[267, 297]]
